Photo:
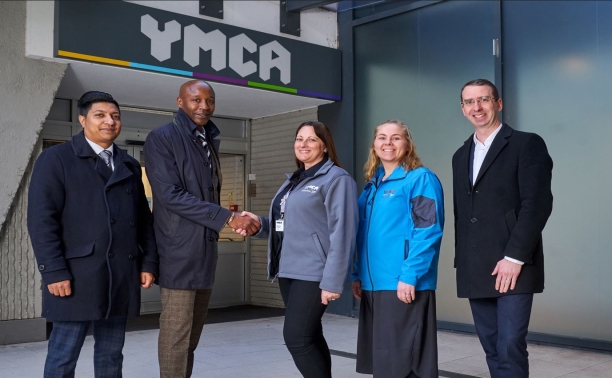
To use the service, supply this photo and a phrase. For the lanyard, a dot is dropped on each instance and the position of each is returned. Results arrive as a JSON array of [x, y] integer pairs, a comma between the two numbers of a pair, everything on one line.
[[283, 202]]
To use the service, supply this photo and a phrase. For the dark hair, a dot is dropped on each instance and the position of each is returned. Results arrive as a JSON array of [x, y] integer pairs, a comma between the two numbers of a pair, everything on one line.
[[323, 133], [90, 98], [480, 83]]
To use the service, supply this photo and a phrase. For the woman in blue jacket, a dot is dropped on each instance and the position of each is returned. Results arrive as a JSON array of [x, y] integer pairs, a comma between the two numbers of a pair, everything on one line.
[[311, 232], [401, 217]]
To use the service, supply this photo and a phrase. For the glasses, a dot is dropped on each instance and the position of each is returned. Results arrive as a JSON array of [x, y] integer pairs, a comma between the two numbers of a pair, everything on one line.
[[482, 100]]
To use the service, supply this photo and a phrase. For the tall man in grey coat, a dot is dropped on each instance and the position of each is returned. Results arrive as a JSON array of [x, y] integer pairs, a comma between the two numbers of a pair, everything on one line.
[[92, 234], [183, 168], [502, 200]]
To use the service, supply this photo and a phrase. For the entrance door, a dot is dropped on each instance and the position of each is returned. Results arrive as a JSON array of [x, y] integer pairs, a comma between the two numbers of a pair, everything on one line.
[[411, 67]]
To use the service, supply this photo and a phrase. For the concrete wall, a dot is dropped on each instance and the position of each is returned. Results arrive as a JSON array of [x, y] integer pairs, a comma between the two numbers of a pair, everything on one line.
[[318, 26], [271, 157], [27, 88], [20, 281]]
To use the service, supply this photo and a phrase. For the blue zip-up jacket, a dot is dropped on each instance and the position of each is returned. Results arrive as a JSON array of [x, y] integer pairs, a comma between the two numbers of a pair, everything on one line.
[[400, 230]]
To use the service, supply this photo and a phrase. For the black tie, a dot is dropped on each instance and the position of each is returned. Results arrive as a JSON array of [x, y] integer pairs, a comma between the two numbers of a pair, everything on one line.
[[106, 155]]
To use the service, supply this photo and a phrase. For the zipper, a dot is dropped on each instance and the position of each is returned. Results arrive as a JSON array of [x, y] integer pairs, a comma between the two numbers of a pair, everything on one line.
[[367, 241], [276, 258]]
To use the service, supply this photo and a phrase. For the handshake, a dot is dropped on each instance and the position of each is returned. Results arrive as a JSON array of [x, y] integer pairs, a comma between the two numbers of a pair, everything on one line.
[[245, 223]]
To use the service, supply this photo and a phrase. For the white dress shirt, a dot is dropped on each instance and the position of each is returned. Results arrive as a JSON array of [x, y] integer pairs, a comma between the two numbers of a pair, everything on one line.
[[480, 152], [97, 149]]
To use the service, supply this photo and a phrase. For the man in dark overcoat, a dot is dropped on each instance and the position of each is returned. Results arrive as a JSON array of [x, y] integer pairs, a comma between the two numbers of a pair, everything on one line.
[[183, 168], [92, 234], [502, 200]]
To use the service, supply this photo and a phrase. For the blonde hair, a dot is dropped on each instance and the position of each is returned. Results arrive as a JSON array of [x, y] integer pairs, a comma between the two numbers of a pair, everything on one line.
[[410, 161]]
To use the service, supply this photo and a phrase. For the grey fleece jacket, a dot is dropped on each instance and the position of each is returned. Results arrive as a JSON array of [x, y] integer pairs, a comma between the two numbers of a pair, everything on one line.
[[321, 219]]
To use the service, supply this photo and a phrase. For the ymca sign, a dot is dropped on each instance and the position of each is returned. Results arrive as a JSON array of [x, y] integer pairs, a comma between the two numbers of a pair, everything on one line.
[[216, 42], [145, 38]]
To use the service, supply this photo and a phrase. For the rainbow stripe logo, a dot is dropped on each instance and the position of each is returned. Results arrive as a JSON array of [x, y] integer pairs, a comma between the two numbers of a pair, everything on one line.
[[198, 75]]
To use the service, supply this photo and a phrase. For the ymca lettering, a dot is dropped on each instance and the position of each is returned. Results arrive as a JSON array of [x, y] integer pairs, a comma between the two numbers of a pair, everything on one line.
[[271, 54]]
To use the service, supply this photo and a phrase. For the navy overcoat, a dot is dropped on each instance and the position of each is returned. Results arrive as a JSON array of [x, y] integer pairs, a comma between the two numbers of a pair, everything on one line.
[[93, 227], [186, 208]]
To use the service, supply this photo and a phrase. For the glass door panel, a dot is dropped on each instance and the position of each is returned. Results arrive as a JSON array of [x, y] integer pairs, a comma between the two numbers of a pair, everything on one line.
[[416, 76]]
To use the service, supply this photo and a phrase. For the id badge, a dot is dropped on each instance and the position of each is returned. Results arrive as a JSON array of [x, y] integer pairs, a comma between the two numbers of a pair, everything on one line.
[[280, 225]]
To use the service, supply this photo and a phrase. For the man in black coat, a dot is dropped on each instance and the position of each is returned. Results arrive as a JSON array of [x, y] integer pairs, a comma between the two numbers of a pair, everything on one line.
[[502, 200], [92, 234], [183, 168]]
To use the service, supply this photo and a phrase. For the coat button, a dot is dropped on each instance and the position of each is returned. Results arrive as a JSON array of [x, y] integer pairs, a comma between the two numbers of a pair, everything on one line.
[[111, 255], [469, 192], [132, 224], [129, 190], [41, 267], [210, 238], [210, 188], [474, 220], [209, 215], [131, 257], [477, 192], [112, 221]]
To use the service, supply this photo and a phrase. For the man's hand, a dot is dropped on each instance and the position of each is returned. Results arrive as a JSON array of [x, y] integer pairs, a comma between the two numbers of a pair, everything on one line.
[[146, 279], [507, 275], [327, 296], [406, 293], [245, 223], [60, 289], [356, 289]]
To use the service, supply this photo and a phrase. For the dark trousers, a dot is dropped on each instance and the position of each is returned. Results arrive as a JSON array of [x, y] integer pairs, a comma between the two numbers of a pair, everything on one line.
[[67, 339], [180, 326], [501, 324], [303, 331]]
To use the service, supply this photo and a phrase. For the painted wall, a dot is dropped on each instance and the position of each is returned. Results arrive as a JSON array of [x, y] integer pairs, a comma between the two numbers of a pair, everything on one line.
[[271, 157], [27, 87]]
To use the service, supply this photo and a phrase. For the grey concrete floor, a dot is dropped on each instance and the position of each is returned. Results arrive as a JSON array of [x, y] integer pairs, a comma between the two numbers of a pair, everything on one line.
[[255, 349]]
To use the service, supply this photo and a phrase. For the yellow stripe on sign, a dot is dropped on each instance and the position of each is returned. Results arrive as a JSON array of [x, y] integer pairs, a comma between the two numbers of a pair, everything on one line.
[[92, 58]]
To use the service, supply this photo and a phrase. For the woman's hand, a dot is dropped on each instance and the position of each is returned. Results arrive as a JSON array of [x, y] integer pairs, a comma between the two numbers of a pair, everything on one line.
[[327, 296], [405, 292], [250, 215], [356, 289]]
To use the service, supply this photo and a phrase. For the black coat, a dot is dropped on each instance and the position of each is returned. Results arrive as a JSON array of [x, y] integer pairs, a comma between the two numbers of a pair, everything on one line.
[[503, 214], [93, 227], [186, 210]]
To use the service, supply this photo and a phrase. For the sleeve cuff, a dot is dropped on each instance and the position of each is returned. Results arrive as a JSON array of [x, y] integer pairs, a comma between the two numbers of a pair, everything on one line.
[[514, 260]]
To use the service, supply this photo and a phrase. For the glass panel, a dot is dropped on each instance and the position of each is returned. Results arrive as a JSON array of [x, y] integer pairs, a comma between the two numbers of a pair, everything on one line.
[[50, 143], [416, 76], [139, 155], [559, 54], [230, 128], [232, 191], [60, 111]]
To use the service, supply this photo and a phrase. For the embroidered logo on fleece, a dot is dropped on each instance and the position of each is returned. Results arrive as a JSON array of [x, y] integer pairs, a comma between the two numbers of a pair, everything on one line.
[[389, 193], [310, 189]]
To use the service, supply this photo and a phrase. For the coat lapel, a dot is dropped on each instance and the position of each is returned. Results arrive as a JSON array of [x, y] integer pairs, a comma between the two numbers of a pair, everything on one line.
[[498, 145], [83, 150], [464, 161], [121, 172]]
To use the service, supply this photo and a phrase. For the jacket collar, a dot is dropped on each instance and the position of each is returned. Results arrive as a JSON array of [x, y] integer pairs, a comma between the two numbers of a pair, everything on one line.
[[500, 141], [323, 170], [83, 150], [399, 173]]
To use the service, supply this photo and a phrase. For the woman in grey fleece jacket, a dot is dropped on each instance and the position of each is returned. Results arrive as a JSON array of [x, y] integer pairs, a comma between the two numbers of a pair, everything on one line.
[[311, 232]]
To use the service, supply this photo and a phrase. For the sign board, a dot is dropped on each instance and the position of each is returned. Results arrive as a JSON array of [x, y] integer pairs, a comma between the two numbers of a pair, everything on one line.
[[143, 38]]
